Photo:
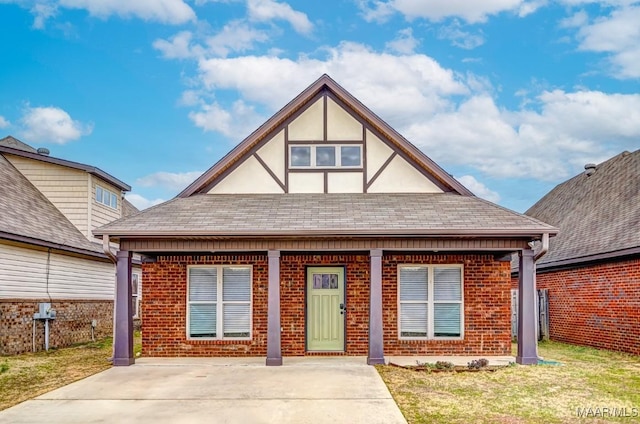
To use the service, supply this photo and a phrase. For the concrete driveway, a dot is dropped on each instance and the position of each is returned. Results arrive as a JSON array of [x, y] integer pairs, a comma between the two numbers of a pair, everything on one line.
[[219, 390]]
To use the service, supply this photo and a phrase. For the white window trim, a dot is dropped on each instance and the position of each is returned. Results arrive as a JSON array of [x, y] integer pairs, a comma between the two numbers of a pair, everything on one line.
[[338, 156], [219, 303], [430, 302], [137, 296], [111, 194]]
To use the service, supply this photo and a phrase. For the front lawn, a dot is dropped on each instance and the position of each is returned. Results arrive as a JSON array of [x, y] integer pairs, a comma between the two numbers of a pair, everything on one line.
[[600, 383], [29, 375]]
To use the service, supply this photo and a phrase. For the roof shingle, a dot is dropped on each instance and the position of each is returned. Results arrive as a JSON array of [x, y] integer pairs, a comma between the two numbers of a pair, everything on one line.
[[596, 214], [326, 214]]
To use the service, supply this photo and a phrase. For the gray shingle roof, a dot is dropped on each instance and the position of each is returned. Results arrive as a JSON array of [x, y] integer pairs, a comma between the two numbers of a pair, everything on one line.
[[14, 143], [596, 214], [26, 213], [326, 214], [128, 208]]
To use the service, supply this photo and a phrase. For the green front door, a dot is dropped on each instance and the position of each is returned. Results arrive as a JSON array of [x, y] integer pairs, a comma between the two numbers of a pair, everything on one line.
[[325, 309]]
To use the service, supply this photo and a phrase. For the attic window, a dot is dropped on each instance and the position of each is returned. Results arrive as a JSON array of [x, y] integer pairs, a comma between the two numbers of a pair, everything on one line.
[[106, 197], [325, 156]]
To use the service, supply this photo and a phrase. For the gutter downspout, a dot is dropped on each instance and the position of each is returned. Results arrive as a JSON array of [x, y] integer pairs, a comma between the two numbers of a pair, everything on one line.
[[545, 247], [540, 254], [107, 249], [112, 257]]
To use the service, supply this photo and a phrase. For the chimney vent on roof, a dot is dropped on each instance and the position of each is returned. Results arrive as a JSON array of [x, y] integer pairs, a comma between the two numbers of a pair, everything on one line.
[[43, 151], [590, 169]]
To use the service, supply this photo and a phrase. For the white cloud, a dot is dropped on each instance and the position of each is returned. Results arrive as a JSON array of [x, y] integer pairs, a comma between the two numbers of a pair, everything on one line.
[[52, 124], [527, 8], [236, 124], [236, 36], [404, 43], [460, 38], [141, 202], [565, 131], [168, 180], [268, 10], [42, 12], [177, 47], [3, 122], [478, 188], [616, 35], [578, 19], [437, 10], [451, 116], [165, 11], [401, 88]]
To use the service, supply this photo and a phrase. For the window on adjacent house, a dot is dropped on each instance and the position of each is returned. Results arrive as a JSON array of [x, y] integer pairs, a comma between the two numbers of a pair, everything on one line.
[[135, 295], [325, 156], [219, 302], [430, 301], [106, 197]]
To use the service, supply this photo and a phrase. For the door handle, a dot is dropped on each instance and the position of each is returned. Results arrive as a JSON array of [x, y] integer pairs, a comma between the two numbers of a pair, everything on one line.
[[343, 309]]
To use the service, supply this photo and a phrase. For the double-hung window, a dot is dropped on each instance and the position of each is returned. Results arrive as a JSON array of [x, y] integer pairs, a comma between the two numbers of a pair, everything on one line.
[[430, 301], [219, 302]]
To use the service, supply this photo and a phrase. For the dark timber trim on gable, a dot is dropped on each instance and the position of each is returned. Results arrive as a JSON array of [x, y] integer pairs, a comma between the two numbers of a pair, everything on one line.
[[271, 173], [322, 88]]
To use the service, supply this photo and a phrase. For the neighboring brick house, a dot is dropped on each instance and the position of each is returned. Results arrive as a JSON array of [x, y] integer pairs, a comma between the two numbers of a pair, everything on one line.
[[48, 208], [592, 268], [325, 232]]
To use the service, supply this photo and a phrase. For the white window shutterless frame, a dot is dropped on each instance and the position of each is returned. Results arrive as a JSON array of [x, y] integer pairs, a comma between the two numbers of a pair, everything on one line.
[[219, 302], [430, 302]]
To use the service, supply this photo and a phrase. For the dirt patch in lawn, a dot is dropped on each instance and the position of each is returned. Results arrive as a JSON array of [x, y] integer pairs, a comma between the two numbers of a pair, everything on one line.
[[29, 375], [587, 378]]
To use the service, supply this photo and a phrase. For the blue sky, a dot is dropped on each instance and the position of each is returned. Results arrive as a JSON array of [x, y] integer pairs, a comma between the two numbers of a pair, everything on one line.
[[509, 96]]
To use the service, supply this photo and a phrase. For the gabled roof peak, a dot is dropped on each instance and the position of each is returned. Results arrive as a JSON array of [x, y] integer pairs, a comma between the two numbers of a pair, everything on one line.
[[303, 100]]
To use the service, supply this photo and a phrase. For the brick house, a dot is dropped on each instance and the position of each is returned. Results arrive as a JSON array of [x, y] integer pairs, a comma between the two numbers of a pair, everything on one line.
[[592, 269], [325, 232], [48, 255]]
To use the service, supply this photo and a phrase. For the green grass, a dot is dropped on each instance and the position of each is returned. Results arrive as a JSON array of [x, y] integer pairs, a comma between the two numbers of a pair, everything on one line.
[[29, 375], [586, 378]]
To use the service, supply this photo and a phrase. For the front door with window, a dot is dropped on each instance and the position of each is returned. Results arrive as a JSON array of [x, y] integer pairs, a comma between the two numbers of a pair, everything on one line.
[[325, 309]]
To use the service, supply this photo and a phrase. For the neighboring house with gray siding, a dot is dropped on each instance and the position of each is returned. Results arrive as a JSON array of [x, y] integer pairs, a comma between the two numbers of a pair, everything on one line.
[[48, 208]]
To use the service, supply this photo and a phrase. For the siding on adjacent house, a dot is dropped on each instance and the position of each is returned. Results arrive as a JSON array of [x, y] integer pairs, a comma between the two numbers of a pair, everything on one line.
[[24, 276], [65, 187], [102, 214]]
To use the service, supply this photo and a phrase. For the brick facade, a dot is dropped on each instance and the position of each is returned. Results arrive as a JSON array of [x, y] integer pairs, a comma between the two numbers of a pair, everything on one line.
[[72, 324], [596, 305], [486, 305]]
